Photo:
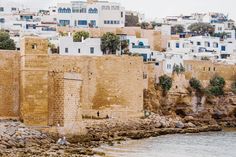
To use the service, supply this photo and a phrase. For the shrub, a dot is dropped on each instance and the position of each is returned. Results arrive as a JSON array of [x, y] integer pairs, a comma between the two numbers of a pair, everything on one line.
[[217, 81], [216, 87], [178, 69], [195, 84], [165, 82], [216, 91], [176, 29]]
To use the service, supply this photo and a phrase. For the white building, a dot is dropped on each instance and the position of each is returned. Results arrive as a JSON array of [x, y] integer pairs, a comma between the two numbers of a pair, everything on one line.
[[87, 47], [213, 17], [140, 46], [92, 13], [203, 44], [183, 20], [195, 44]]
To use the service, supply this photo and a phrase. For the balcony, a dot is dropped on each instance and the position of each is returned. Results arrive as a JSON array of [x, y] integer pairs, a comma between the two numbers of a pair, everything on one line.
[[140, 47]]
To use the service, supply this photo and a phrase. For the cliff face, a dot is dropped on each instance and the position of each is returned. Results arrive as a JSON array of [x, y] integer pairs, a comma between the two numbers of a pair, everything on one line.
[[181, 101]]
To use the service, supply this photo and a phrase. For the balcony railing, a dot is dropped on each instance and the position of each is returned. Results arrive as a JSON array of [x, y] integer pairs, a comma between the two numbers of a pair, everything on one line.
[[140, 47]]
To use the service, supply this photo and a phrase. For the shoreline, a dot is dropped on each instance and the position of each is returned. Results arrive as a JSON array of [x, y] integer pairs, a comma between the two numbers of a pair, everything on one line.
[[100, 132]]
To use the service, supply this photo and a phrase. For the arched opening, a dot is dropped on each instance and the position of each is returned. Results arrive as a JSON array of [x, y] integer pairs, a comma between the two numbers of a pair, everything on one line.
[[181, 113], [60, 10], [140, 43]]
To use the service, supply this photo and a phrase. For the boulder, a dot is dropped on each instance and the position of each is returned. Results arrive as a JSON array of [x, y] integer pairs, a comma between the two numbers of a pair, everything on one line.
[[190, 125], [179, 124]]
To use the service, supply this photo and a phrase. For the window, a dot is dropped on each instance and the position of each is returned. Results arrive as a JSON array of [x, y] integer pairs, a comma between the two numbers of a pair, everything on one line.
[[157, 63], [92, 23], [207, 44], [105, 7], [82, 22], [64, 22], [64, 10], [191, 67], [223, 48], [91, 50], [177, 45], [93, 11], [204, 68], [209, 69], [122, 14], [215, 45], [13, 9], [199, 43], [78, 50], [2, 20], [66, 50], [152, 53], [214, 69], [168, 66], [168, 44], [1, 9], [115, 7], [34, 46], [83, 10], [229, 36]]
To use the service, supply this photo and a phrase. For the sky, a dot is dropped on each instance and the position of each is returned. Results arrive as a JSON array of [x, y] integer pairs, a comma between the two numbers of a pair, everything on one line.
[[159, 8]]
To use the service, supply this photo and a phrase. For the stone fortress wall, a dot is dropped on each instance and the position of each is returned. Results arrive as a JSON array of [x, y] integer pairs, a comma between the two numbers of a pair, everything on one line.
[[51, 90], [47, 90], [9, 83], [202, 70]]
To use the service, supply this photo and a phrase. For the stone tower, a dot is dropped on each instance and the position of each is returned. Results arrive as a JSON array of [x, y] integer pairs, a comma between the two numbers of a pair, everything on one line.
[[34, 81]]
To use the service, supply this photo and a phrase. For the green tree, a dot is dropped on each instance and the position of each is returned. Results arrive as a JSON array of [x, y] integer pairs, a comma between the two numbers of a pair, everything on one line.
[[166, 83], [176, 29], [77, 37], [144, 25], [178, 69], [202, 28], [195, 84], [6, 43], [216, 87], [124, 46], [217, 81], [110, 43], [222, 35], [154, 24]]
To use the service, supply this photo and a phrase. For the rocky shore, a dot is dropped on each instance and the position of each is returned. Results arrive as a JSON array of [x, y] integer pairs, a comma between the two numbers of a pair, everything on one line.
[[18, 140]]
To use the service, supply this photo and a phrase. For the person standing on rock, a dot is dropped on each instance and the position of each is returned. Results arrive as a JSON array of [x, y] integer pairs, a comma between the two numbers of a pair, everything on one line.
[[98, 114]]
